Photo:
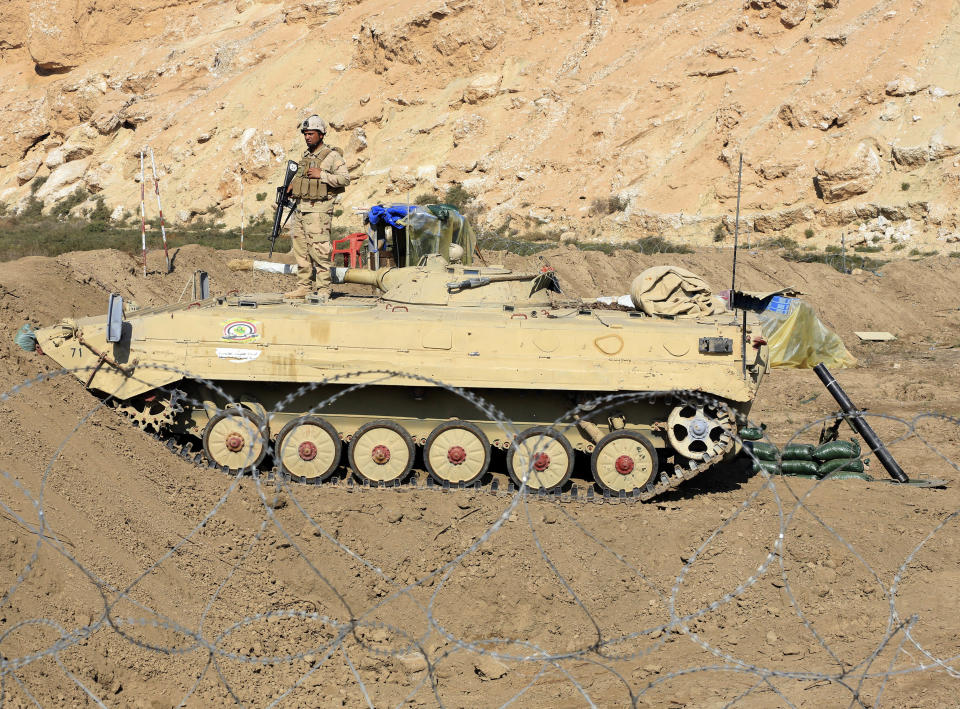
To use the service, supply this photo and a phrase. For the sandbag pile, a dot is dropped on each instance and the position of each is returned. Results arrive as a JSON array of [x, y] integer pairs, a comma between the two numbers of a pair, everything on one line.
[[802, 458]]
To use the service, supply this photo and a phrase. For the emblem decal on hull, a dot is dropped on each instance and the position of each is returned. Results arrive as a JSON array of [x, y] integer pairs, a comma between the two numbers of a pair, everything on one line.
[[241, 331]]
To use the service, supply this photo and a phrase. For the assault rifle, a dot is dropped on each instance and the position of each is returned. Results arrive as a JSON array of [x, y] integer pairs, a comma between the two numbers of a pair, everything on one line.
[[283, 202]]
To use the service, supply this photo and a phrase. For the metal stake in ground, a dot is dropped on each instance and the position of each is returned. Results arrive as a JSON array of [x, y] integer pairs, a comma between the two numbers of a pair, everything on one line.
[[156, 187], [143, 217]]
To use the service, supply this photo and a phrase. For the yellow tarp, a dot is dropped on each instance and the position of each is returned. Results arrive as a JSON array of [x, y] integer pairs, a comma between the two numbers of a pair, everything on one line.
[[799, 340]]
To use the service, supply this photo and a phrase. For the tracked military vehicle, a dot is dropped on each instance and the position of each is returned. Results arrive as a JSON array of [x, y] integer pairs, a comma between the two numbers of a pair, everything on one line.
[[301, 381]]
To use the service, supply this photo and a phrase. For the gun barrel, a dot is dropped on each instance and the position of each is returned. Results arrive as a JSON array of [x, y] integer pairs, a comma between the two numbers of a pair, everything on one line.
[[380, 279]]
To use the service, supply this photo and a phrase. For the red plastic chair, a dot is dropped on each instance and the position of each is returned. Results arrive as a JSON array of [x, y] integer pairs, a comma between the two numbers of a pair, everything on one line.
[[349, 246]]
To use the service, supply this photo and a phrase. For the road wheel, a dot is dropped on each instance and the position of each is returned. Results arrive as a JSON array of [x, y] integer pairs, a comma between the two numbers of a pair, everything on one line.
[[624, 460], [380, 452], [308, 449], [235, 439], [542, 454], [456, 452]]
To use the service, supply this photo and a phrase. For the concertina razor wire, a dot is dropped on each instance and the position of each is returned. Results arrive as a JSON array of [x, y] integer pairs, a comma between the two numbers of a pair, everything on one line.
[[634, 627]]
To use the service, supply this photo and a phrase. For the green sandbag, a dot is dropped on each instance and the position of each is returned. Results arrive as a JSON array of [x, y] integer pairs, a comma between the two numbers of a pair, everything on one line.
[[798, 451], [847, 465], [767, 465], [800, 467], [763, 450], [751, 433], [837, 449]]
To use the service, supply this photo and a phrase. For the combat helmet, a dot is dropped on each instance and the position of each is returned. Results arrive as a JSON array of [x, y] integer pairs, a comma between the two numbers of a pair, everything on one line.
[[314, 122]]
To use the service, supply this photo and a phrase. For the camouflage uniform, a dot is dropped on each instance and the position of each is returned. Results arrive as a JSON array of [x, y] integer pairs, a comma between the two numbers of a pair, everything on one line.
[[311, 222]]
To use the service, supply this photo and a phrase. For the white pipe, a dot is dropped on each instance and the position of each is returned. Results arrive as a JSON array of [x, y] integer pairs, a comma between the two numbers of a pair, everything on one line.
[[143, 224], [156, 187]]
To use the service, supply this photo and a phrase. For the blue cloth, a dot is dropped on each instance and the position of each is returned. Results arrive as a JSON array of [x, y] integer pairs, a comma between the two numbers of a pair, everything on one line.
[[780, 304], [392, 215], [25, 338]]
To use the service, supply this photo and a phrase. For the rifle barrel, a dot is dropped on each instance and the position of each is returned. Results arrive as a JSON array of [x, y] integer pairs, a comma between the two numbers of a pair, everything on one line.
[[282, 202]]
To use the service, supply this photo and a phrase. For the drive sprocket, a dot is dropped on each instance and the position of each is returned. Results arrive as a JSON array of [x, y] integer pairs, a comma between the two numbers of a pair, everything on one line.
[[699, 431], [154, 413]]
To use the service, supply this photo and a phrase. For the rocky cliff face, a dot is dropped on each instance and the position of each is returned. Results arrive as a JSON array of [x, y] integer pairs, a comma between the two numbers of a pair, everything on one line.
[[845, 111]]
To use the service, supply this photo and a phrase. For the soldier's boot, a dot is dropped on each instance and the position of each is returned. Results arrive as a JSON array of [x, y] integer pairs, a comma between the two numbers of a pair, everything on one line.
[[299, 293]]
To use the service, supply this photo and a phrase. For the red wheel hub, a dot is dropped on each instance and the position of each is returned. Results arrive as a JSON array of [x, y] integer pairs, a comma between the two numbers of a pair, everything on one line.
[[234, 442], [541, 461], [624, 465], [380, 455], [307, 451], [456, 455]]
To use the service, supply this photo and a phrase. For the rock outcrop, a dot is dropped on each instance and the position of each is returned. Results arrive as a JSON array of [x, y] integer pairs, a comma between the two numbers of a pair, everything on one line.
[[313, 12], [794, 12], [770, 222], [26, 124], [63, 180], [850, 173], [541, 110], [944, 143], [482, 87], [53, 37], [13, 26], [28, 169]]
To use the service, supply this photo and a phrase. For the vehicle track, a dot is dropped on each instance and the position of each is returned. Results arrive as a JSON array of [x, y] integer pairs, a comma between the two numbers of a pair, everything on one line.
[[497, 484]]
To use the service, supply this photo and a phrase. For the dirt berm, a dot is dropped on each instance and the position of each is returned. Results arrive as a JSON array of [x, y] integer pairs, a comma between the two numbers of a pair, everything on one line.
[[147, 581]]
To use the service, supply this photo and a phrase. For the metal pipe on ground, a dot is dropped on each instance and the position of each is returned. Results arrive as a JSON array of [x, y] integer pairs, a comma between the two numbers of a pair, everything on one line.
[[859, 425]]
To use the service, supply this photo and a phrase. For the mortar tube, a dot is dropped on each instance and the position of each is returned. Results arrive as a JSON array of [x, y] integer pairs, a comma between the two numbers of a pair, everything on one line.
[[859, 425]]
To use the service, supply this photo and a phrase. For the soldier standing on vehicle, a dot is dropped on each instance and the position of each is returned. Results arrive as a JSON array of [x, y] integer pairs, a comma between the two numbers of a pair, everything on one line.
[[320, 178]]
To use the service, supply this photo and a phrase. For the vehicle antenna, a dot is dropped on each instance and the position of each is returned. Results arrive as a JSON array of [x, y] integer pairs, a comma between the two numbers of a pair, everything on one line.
[[242, 213], [736, 234], [733, 282]]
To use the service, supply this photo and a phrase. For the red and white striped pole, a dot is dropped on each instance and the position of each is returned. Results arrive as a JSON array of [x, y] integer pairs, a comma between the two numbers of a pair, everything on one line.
[[143, 217], [163, 229]]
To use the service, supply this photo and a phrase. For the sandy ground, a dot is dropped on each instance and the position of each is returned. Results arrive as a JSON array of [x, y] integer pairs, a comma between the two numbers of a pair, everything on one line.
[[149, 582]]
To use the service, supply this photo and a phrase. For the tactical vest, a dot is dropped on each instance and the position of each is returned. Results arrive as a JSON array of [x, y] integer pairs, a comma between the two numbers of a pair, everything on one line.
[[310, 187]]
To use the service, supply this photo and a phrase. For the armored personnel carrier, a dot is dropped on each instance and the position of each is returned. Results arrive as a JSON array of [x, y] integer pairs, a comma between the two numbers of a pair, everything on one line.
[[404, 366]]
